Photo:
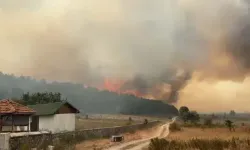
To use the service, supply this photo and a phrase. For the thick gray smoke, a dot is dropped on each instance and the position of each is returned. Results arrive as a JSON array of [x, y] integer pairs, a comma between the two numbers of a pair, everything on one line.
[[143, 42], [238, 44]]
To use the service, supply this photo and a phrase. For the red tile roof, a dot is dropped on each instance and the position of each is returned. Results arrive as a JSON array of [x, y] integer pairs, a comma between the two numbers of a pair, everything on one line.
[[10, 107]]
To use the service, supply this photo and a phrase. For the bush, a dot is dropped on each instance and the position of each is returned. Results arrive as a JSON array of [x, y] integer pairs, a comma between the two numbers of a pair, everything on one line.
[[130, 119], [173, 127]]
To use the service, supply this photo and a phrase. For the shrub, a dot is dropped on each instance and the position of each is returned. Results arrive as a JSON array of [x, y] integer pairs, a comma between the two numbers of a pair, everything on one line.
[[130, 119], [173, 127], [229, 124]]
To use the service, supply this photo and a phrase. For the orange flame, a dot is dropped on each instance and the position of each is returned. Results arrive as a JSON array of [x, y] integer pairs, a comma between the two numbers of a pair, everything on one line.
[[115, 85]]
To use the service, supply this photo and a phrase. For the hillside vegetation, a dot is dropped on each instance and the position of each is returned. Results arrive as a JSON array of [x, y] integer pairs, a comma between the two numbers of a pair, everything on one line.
[[88, 100]]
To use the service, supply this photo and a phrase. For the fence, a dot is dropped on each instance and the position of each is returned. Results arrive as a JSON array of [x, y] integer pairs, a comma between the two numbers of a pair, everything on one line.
[[40, 140]]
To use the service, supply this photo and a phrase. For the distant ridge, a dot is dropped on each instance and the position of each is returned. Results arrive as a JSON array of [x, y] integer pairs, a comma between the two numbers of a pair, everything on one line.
[[87, 100]]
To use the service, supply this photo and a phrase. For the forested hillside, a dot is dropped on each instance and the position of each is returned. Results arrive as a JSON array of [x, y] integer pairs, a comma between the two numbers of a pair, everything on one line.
[[88, 100]]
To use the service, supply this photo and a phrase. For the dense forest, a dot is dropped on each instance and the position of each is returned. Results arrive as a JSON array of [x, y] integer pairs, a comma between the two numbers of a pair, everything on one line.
[[87, 100]]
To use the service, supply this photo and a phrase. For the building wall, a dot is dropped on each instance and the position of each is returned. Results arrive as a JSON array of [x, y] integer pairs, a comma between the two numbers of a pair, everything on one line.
[[57, 123]]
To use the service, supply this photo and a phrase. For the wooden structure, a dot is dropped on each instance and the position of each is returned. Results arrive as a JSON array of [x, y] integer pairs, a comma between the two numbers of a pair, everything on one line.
[[13, 115], [54, 117]]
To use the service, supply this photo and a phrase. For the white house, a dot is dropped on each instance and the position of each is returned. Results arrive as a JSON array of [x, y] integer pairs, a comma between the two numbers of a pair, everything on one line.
[[54, 117]]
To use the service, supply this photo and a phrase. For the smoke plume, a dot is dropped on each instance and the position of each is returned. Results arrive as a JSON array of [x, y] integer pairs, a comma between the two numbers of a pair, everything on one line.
[[155, 48]]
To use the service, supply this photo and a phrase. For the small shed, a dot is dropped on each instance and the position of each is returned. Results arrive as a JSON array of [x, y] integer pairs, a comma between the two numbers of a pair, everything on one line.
[[54, 117], [14, 117]]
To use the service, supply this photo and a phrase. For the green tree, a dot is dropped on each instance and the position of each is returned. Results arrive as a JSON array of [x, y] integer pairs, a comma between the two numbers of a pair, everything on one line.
[[185, 117], [232, 113], [194, 117], [183, 110], [184, 113], [229, 124], [41, 98]]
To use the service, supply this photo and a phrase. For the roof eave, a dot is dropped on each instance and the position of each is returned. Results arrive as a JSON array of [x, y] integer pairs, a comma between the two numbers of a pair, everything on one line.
[[24, 113]]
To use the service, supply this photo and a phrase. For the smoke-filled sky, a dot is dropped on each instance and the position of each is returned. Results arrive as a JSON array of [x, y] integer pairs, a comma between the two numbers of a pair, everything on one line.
[[143, 42]]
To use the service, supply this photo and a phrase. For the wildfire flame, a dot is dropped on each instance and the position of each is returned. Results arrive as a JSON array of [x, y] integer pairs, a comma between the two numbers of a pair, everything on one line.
[[115, 85], [160, 90]]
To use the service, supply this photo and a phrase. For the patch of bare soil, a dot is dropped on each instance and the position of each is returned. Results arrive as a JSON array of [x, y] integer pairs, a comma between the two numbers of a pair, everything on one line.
[[101, 144]]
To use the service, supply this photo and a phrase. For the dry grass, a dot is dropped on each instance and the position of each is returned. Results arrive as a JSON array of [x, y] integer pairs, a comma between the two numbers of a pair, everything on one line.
[[200, 144], [208, 133], [204, 139], [101, 123]]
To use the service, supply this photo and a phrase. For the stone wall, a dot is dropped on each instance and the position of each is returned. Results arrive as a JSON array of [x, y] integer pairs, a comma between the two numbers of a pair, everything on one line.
[[39, 141], [71, 138]]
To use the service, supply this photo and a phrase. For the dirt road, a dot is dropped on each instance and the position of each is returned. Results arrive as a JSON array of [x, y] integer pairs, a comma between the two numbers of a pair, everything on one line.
[[162, 132]]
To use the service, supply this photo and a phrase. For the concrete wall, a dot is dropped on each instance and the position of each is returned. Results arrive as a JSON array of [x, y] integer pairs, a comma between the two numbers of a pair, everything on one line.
[[57, 123], [4, 141], [68, 138]]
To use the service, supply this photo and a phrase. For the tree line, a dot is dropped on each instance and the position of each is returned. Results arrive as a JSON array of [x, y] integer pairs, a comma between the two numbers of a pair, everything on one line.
[[88, 100], [41, 98], [193, 117]]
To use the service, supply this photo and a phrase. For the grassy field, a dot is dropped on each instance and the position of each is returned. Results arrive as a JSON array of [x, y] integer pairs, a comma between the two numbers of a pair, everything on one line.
[[102, 121]]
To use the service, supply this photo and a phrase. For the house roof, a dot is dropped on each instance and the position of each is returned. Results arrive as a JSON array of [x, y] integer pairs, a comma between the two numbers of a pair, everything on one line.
[[8, 106], [49, 108]]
